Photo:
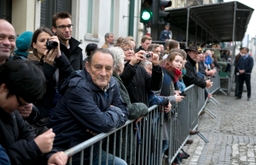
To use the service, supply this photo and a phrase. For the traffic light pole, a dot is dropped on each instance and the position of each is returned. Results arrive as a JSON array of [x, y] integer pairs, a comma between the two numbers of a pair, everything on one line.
[[131, 18]]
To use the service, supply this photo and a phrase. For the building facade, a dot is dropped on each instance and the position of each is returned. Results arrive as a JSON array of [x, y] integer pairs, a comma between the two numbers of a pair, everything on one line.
[[92, 19]]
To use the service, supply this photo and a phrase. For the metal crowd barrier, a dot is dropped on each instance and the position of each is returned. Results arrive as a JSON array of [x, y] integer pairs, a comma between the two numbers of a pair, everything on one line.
[[141, 143], [216, 83]]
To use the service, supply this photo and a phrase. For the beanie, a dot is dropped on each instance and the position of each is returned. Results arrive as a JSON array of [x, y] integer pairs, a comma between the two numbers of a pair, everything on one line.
[[23, 43]]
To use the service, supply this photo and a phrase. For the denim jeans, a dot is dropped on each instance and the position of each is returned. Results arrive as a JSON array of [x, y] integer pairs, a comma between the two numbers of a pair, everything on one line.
[[118, 161]]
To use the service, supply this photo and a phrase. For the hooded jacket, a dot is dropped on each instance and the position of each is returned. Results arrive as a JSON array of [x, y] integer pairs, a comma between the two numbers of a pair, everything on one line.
[[84, 106]]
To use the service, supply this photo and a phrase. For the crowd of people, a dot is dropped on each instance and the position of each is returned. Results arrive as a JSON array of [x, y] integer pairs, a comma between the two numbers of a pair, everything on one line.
[[52, 99]]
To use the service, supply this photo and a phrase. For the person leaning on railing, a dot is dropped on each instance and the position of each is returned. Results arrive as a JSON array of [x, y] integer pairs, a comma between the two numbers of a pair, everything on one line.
[[191, 76], [91, 104], [136, 110]]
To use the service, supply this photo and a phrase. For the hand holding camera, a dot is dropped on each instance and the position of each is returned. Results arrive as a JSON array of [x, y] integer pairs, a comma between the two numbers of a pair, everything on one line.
[[53, 50], [154, 59], [51, 44], [137, 57]]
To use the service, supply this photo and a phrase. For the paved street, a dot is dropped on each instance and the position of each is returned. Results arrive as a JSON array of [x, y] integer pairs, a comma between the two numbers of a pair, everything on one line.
[[232, 135]]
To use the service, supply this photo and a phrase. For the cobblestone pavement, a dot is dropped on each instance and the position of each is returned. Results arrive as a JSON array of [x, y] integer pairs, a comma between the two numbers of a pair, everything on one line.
[[232, 135]]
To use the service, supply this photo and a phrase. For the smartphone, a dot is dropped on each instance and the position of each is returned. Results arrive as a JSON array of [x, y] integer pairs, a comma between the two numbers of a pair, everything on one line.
[[183, 94]]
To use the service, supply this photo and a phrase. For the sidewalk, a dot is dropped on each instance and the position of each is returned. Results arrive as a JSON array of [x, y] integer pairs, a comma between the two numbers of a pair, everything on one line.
[[232, 135]]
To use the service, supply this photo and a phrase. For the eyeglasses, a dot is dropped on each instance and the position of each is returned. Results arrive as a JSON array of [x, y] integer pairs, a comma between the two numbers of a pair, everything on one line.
[[65, 26], [20, 102], [127, 49]]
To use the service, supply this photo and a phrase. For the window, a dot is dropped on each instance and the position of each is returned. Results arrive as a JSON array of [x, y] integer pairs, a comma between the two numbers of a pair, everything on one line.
[[90, 15], [6, 9], [50, 7], [112, 14]]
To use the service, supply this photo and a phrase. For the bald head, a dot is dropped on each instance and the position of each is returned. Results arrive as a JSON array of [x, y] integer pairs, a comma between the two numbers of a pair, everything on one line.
[[7, 40]]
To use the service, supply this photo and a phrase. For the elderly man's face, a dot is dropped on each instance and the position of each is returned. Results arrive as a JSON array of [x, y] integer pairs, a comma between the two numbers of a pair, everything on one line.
[[7, 40], [100, 68], [110, 39]]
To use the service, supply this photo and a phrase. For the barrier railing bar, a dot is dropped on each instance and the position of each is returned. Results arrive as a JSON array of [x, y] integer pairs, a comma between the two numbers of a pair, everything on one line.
[[82, 157], [100, 153], [203, 137], [91, 154], [97, 138], [214, 100], [210, 113], [221, 89], [144, 154]]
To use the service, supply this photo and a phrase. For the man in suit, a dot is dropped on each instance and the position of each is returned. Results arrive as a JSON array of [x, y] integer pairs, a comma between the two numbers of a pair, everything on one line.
[[244, 66]]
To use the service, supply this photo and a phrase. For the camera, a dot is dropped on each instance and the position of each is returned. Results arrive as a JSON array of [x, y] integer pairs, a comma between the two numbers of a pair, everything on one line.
[[147, 55], [51, 44]]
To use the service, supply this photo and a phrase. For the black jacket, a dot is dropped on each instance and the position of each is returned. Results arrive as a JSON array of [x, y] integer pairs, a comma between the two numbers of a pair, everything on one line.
[[74, 54], [191, 76], [139, 83], [17, 137], [140, 48], [46, 104]]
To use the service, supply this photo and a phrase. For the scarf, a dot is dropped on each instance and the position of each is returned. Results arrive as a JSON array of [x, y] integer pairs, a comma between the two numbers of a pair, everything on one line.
[[176, 74], [184, 71]]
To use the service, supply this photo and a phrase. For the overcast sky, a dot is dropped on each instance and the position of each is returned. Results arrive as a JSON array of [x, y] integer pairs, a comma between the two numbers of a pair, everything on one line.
[[252, 24]]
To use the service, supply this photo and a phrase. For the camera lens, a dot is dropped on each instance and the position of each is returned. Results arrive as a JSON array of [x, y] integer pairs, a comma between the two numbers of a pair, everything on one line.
[[51, 44]]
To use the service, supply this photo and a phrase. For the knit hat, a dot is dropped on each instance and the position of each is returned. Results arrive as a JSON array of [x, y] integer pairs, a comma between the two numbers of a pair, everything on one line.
[[23, 43]]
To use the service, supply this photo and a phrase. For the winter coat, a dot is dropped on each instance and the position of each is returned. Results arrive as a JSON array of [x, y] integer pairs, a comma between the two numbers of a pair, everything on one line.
[[139, 83], [17, 137], [74, 54], [135, 110], [191, 76], [4, 159], [46, 104], [82, 107]]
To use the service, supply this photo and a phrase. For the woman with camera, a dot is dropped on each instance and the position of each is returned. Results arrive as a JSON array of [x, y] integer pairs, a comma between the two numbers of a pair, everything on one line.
[[55, 66]]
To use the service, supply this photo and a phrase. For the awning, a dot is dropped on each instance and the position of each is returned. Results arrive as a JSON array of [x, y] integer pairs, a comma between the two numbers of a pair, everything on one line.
[[219, 22]]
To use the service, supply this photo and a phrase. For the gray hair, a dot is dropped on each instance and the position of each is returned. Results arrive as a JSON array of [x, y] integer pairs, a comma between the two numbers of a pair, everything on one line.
[[101, 50], [146, 63], [107, 35], [118, 56]]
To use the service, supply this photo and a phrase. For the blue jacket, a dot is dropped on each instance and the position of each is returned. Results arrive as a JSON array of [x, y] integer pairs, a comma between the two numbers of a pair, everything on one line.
[[84, 106], [4, 159], [165, 34]]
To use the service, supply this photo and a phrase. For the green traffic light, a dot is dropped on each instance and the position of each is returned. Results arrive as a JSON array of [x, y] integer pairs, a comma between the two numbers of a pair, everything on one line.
[[146, 15]]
